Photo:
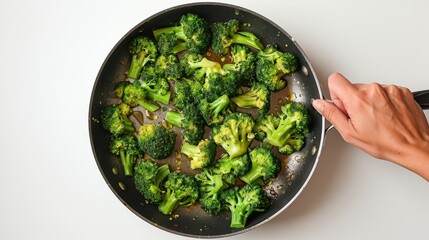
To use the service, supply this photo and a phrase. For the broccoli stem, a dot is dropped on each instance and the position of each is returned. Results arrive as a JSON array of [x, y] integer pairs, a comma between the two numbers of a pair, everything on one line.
[[218, 105], [127, 163], [253, 174], [236, 149], [151, 107], [189, 149], [247, 38], [128, 124], [175, 118], [178, 48], [165, 99], [162, 173], [137, 63], [247, 100], [281, 134], [169, 204], [239, 216]]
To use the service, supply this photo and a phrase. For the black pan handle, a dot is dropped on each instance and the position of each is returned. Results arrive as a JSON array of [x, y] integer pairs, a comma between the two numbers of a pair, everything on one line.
[[422, 98]]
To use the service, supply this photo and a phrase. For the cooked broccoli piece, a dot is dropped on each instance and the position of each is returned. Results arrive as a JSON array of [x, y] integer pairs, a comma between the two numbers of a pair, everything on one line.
[[257, 97], [142, 50], [148, 178], [199, 67], [168, 44], [182, 94], [242, 202], [217, 85], [193, 29], [119, 88], [125, 146], [235, 133], [284, 132], [201, 155], [214, 112], [190, 120], [264, 165], [156, 141], [135, 95], [231, 168], [155, 86], [272, 65], [243, 63], [168, 66], [226, 33], [211, 185], [115, 121], [181, 190]]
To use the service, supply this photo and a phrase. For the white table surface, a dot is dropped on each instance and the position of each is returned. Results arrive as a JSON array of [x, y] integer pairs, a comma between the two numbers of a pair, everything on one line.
[[50, 54]]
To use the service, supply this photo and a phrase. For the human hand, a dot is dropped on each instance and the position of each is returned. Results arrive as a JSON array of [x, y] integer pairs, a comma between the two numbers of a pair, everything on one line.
[[384, 121]]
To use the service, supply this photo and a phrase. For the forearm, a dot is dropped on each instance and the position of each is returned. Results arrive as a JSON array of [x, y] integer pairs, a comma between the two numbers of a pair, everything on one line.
[[414, 157]]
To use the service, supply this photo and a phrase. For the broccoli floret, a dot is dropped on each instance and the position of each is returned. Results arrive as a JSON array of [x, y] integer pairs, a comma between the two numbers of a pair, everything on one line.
[[264, 165], [135, 95], [193, 29], [293, 120], [265, 125], [272, 65], [242, 202], [235, 133], [125, 146], [148, 178], [182, 94], [119, 88], [181, 190], [168, 44], [217, 85], [157, 141], [201, 155], [156, 87], [257, 97], [142, 50], [199, 67], [214, 112], [226, 33], [115, 121], [190, 120], [211, 185], [168, 66], [243, 63], [231, 168]]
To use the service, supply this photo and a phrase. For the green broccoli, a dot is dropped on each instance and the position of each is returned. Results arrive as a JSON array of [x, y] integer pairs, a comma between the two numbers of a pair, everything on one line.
[[181, 190], [119, 88], [182, 94], [142, 50], [148, 180], [243, 63], [214, 112], [235, 133], [217, 85], [257, 97], [167, 44], [135, 95], [126, 147], [284, 132], [190, 120], [193, 29], [272, 65], [264, 165], [232, 168], [199, 67], [169, 67], [156, 87], [157, 141], [115, 121], [201, 155], [211, 185], [242, 202], [226, 33]]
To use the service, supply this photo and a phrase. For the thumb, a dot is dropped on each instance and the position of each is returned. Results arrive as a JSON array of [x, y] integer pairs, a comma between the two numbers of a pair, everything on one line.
[[332, 113]]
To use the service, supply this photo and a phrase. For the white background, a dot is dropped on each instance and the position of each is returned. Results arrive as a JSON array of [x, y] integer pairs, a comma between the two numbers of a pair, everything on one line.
[[50, 54]]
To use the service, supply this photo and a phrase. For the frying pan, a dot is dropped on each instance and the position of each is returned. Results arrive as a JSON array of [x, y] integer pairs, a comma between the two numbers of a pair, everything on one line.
[[297, 169]]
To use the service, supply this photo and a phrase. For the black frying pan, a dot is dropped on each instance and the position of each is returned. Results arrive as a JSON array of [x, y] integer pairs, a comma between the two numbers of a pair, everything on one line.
[[297, 168]]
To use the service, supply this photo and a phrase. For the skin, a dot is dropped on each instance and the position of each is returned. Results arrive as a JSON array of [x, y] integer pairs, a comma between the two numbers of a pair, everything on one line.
[[382, 120]]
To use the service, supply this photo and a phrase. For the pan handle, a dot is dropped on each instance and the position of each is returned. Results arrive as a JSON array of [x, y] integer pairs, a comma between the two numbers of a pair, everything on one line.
[[422, 98]]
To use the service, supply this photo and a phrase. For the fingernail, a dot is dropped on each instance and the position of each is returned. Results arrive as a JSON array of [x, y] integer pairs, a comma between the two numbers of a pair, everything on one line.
[[318, 105]]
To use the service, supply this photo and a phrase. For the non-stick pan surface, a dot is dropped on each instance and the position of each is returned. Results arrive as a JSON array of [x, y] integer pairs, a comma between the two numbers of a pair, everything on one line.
[[192, 221]]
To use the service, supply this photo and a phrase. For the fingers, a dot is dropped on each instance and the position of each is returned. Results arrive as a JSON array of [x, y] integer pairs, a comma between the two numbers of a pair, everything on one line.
[[333, 114]]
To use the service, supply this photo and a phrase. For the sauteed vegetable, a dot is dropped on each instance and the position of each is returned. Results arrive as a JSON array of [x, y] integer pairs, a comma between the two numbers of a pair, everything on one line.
[[177, 71]]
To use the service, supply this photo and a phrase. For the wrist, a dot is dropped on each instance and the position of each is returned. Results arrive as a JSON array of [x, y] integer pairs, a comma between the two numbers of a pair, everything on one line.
[[414, 157]]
